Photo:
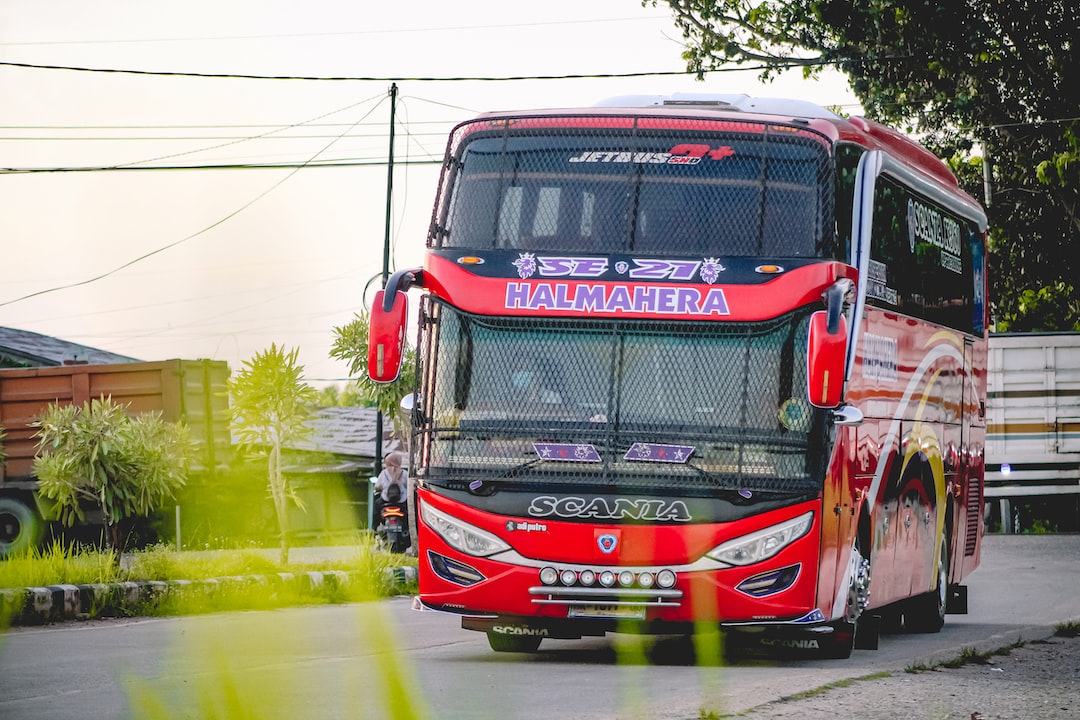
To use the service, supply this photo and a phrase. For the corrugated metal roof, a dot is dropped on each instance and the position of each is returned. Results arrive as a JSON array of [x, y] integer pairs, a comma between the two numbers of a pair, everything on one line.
[[346, 431], [22, 348]]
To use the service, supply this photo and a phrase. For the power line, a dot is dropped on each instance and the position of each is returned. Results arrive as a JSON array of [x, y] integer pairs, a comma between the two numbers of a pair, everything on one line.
[[361, 78], [204, 230], [221, 166]]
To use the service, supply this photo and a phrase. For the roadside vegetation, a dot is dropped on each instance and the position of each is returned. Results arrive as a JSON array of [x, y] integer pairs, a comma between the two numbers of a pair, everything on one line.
[[209, 581]]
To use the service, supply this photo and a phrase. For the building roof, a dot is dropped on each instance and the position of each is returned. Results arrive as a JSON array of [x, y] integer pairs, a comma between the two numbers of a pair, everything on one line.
[[346, 432], [22, 348]]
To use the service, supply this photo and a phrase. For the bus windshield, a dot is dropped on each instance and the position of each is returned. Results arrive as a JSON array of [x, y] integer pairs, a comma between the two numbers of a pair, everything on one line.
[[762, 192], [696, 407]]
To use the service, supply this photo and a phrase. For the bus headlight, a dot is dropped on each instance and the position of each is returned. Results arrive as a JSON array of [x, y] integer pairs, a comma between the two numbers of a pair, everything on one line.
[[763, 544], [461, 535]]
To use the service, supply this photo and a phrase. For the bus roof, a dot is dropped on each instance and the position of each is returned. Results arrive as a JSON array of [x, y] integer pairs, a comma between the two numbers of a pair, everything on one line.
[[862, 131]]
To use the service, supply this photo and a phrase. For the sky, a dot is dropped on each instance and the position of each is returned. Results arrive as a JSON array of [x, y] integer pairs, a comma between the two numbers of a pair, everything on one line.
[[220, 263]]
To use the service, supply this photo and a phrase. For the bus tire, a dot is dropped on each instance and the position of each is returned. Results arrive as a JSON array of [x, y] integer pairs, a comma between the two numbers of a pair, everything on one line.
[[838, 644], [20, 526], [926, 612], [513, 643]]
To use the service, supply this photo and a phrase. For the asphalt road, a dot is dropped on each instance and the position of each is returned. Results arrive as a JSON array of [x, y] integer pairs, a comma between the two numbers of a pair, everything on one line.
[[385, 660]]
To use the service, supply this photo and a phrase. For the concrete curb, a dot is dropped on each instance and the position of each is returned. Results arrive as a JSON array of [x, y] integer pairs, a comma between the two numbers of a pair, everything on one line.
[[57, 603]]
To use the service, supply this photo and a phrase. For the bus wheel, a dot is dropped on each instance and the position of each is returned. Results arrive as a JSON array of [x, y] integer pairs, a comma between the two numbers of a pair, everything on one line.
[[513, 643], [20, 526], [858, 598], [838, 644], [926, 613]]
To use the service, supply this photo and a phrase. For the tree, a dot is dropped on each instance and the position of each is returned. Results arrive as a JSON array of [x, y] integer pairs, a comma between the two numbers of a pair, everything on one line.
[[335, 396], [270, 408], [966, 76], [351, 345], [97, 455]]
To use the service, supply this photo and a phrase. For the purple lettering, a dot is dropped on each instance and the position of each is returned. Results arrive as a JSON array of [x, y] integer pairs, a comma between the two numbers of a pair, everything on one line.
[[542, 297], [645, 299], [688, 301], [562, 302], [590, 297], [555, 266], [517, 295], [683, 269], [651, 269], [715, 303], [619, 300], [666, 302], [590, 267]]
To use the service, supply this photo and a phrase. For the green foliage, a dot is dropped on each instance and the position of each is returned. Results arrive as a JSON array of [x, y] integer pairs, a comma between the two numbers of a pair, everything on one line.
[[270, 408], [351, 345], [336, 396], [241, 576], [993, 80], [3, 455], [58, 564], [99, 456]]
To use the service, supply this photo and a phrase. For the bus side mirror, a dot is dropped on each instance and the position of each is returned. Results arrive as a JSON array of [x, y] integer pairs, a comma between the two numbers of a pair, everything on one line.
[[825, 359], [386, 337]]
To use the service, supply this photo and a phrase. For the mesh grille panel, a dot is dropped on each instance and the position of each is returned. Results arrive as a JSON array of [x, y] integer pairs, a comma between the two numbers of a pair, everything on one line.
[[706, 188], [734, 393]]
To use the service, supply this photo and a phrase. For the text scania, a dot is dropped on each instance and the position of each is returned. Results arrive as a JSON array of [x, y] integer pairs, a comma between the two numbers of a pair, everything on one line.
[[520, 630], [616, 299], [613, 509], [927, 224]]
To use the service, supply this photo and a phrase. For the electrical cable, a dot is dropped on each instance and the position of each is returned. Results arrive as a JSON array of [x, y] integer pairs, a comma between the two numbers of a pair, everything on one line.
[[203, 231]]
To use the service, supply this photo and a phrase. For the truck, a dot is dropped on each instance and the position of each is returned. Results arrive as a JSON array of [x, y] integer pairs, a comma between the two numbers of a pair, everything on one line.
[[1033, 429], [194, 391]]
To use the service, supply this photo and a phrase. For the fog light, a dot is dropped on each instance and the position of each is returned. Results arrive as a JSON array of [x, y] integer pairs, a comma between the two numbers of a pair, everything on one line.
[[568, 577], [645, 580], [549, 576], [587, 577], [665, 579], [626, 578], [607, 578]]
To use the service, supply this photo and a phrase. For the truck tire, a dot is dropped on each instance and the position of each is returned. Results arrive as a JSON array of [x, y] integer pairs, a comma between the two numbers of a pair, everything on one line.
[[20, 526]]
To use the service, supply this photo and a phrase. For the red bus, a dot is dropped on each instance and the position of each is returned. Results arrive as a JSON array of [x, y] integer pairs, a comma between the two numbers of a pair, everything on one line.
[[699, 362]]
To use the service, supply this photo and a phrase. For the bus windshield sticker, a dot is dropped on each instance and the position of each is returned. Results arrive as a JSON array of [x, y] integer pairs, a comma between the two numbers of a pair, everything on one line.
[[567, 452], [651, 452], [528, 265], [616, 299], [685, 154]]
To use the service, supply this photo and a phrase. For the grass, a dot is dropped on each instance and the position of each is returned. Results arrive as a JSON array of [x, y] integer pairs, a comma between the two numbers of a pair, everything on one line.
[[247, 579], [967, 656], [1067, 629]]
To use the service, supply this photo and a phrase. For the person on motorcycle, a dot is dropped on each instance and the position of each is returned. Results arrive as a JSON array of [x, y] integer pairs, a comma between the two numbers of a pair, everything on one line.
[[391, 487]]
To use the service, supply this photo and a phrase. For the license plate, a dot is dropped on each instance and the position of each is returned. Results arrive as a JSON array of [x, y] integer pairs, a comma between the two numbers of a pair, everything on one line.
[[620, 612]]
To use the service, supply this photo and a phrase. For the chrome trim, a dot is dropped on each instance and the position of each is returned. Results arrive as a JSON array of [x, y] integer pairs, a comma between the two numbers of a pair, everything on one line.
[[597, 594], [512, 557], [586, 603]]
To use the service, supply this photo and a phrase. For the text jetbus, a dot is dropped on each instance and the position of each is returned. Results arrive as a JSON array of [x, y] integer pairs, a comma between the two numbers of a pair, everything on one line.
[[695, 362]]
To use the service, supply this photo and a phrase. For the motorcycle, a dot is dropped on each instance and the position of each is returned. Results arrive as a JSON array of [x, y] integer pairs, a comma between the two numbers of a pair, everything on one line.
[[393, 527]]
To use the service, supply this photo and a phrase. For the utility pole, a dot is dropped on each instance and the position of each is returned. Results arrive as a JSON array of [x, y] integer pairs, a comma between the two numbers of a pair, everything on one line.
[[386, 256]]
